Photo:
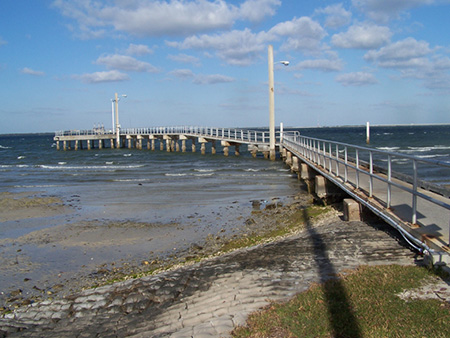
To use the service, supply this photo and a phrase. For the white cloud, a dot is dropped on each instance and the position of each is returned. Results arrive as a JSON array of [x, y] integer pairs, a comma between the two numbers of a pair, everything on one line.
[[182, 73], [99, 77], [138, 50], [362, 36], [325, 65], [236, 47], [356, 79], [256, 10], [30, 71], [302, 34], [337, 16], [414, 60], [212, 79], [126, 63], [385, 10], [405, 53], [184, 58], [161, 17]]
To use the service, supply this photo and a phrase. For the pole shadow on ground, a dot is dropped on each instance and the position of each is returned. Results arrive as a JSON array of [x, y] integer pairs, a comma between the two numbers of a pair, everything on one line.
[[342, 319]]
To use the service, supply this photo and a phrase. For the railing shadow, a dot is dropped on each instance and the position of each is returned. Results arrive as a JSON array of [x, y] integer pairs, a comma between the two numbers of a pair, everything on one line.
[[341, 316]]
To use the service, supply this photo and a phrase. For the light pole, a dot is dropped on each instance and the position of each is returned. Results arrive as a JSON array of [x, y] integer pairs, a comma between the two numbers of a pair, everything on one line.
[[116, 102], [272, 152]]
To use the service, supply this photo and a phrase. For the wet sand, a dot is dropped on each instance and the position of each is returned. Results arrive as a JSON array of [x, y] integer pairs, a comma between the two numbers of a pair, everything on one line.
[[55, 250]]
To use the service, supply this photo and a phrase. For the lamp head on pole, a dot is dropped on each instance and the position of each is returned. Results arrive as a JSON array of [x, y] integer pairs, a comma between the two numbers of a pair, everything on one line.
[[286, 63]]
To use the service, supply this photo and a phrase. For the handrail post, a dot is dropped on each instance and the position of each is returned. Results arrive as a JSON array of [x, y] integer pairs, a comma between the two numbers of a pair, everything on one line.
[[357, 169], [337, 160], [370, 175], [346, 165], [414, 197], [329, 158], [388, 202]]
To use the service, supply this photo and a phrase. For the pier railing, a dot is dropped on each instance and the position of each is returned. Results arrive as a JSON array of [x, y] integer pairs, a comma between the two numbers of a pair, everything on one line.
[[365, 169], [239, 135]]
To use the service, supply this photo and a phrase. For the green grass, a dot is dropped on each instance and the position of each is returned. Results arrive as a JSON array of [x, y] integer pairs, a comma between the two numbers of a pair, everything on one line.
[[361, 304]]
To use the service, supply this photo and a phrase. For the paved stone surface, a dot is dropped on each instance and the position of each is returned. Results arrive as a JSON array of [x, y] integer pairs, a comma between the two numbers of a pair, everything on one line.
[[210, 298]]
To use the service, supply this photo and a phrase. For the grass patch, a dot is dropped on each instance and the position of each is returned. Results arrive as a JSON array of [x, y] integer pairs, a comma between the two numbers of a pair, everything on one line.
[[361, 304]]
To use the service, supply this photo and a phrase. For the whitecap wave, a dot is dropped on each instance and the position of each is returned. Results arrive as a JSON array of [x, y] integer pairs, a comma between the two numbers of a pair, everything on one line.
[[3, 147], [91, 167], [427, 149], [21, 157], [204, 170], [168, 174], [388, 148]]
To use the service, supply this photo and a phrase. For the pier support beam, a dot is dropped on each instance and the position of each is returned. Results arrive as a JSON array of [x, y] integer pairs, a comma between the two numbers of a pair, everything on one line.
[[161, 144], [89, 145], [213, 147], [193, 145], [352, 210], [129, 141], [76, 145], [295, 167], [203, 142], [153, 144], [236, 150], [253, 150], [57, 145], [139, 142], [183, 139], [288, 158], [168, 143], [112, 143], [225, 146], [305, 172], [64, 145]]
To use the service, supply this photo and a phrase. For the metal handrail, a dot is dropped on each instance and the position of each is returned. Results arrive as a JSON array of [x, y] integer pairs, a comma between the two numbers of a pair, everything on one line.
[[241, 135], [322, 152]]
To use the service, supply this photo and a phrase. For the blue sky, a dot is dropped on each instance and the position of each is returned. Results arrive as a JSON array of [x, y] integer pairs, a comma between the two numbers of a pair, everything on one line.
[[204, 62]]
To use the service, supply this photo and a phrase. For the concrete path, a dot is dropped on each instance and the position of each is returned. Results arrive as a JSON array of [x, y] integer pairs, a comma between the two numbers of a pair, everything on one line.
[[210, 298]]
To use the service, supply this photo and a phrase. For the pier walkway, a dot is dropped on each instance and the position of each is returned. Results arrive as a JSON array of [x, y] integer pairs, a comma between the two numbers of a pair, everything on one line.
[[391, 185]]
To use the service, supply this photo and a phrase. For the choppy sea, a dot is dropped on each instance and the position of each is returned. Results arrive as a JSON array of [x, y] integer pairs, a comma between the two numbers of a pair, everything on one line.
[[162, 181]]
